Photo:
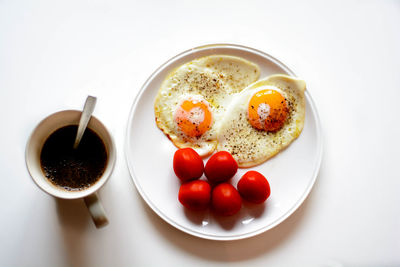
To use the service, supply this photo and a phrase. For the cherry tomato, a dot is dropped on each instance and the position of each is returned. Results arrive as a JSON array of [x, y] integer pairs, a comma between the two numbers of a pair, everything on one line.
[[195, 195], [254, 187], [225, 200], [188, 165], [220, 167]]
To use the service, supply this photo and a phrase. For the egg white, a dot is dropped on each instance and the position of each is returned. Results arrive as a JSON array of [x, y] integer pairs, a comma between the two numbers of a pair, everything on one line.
[[250, 146], [216, 79]]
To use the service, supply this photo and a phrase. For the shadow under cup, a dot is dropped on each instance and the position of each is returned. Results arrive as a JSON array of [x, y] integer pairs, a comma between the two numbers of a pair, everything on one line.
[[34, 147]]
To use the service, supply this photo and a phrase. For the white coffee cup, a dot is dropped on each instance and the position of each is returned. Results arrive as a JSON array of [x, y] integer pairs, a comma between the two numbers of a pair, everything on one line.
[[32, 156]]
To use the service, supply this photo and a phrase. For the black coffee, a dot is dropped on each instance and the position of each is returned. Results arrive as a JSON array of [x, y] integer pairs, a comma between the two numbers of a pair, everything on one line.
[[69, 168]]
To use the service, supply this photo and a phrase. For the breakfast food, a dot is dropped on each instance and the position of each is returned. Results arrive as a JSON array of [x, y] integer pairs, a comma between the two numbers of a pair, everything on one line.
[[225, 200], [195, 195], [263, 119], [193, 99], [222, 197], [254, 187], [188, 165], [215, 103], [220, 167]]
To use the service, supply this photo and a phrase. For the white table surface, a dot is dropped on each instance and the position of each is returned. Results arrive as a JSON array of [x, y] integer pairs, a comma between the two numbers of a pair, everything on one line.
[[53, 54]]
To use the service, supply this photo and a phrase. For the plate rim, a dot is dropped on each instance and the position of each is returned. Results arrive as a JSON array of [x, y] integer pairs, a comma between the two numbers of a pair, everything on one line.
[[262, 229]]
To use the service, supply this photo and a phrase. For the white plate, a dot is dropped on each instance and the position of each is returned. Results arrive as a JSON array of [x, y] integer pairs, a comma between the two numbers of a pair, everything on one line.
[[149, 154]]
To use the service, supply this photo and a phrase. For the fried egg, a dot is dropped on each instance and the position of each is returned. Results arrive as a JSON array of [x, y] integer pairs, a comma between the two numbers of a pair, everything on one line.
[[194, 97], [263, 119]]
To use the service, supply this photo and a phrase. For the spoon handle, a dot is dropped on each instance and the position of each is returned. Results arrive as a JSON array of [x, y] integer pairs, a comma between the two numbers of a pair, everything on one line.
[[85, 117]]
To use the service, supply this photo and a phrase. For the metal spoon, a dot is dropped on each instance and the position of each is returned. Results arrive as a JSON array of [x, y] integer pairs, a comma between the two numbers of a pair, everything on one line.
[[85, 117]]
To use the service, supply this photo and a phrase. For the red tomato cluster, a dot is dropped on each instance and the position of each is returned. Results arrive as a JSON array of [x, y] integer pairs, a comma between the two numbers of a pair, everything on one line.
[[223, 197]]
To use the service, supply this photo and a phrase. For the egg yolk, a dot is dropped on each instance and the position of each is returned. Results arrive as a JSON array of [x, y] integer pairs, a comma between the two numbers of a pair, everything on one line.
[[193, 117], [267, 110]]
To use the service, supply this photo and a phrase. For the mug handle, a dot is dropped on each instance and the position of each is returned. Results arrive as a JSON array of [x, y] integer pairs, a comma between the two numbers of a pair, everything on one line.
[[96, 210]]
